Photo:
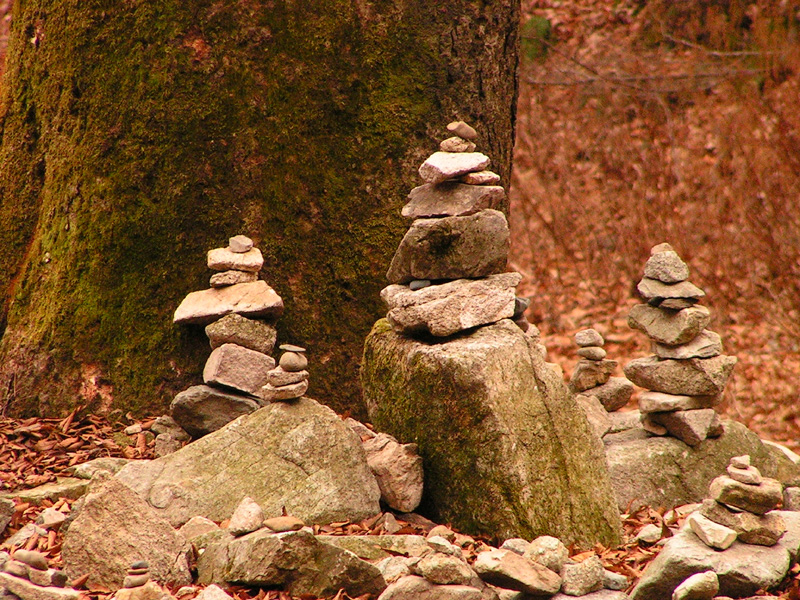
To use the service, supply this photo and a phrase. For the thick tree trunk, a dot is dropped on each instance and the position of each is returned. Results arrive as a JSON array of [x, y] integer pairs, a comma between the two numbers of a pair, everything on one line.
[[138, 135]]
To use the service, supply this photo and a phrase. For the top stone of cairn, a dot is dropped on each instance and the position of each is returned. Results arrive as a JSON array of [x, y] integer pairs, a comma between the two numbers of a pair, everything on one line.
[[240, 244], [665, 265], [462, 130]]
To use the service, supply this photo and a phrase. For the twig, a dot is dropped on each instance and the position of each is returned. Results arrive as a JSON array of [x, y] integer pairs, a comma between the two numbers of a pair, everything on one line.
[[710, 52]]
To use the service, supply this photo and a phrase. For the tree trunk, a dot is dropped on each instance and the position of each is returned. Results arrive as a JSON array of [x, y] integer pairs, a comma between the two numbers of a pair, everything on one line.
[[138, 135]]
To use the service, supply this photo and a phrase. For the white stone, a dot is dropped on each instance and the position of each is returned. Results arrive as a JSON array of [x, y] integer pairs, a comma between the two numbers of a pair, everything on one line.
[[247, 517], [441, 166], [223, 259], [700, 586], [711, 534], [256, 299]]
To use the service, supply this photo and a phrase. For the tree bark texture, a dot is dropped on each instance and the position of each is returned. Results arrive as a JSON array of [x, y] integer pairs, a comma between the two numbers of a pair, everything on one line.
[[138, 135]]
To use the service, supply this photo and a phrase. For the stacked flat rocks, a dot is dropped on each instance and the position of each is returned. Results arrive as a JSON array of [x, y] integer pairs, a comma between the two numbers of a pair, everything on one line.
[[687, 374], [742, 506], [239, 312], [592, 374], [289, 380], [26, 575], [448, 272]]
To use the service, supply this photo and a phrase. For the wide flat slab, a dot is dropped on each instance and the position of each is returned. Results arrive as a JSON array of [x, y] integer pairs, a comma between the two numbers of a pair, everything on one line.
[[255, 299]]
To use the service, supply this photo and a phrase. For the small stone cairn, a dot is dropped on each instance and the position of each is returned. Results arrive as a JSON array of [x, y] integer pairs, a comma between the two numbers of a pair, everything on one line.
[[686, 376], [592, 374], [447, 274], [740, 507], [26, 575], [239, 311]]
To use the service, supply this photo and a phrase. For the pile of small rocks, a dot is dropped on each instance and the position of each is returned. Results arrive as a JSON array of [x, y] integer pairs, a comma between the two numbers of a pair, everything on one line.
[[597, 391], [239, 312], [26, 575], [447, 274], [741, 506], [686, 376], [289, 380]]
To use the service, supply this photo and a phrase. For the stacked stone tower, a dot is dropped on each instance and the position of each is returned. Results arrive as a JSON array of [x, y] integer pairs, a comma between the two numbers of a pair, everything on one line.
[[448, 275], [686, 375]]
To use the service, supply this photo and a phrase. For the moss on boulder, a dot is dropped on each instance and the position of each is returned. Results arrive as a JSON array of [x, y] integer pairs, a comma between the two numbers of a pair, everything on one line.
[[507, 452]]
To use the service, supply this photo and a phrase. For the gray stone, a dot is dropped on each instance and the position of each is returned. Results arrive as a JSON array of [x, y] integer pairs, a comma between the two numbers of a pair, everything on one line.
[[495, 423], [677, 303], [441, 166], [613, 394], [707, 344], [690, 426], [548, 551], [591, 373], [418, 284], [700, 586], [197, 526], [295, 560], [443, 545], [579, 579], [50, 518], [589, 337], [164, 424], [649, 534], [595, 414], [278, 377], [293, 362], [592, 353], [226, 278], [149, 591], [650, 402], [791, 498], [624, 420], [32, 558], [247, 517], [412, 587], [451, 199], [666, 472], [7, 508], [598, 595], [693, 377], [655, 292], [239, 330], [757, 499], [284, 523], [750, 475], [223, 259], [116, 527], [456, 144], [271, 393], [762, 530], [255, 299], [506, 569], [379, 547], [17, 568], [666, 267], [165, 444], [240, 244], [614, 581], [71, 488], [237, 367], [317, 469], [481, 178], [662, 247], [462, 130], [742, 569], [23, 535], [469, 246], [202, 409], [516, 545], [393, 568], [444, 569], [25, 590], [741, 462], [668, 327], [710, 533], [445, 309], [781, 449], [398, 471]]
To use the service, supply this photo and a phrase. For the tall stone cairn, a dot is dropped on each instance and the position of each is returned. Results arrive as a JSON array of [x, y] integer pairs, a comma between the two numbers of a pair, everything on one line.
[[448, 273], [686, 375], [239, 313]]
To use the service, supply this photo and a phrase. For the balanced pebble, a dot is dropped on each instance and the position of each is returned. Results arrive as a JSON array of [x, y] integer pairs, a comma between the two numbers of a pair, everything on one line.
[[293, 361]]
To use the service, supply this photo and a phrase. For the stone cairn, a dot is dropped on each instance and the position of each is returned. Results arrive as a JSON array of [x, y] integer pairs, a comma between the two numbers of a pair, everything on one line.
[[27, 576], [447, 274], [592, 374], [686, 376], [239, 311], [741, 507]]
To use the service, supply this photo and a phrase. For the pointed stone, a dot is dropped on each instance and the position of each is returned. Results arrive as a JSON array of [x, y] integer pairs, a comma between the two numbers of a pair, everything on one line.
[[757, 499], [711, 534], [655, 292], [667, 327], [666, 267], [707, 344], [650, 402], [471, 246], [451, 199], [441, 166], [693, 377], [248, 516], [690, 426]]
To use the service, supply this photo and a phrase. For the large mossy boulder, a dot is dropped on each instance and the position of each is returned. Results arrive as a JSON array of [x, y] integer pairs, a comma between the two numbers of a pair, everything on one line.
[[507, 451]]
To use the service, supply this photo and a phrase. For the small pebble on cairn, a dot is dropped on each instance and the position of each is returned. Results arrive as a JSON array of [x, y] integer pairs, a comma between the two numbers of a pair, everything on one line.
[[687, 374], [290, 379]]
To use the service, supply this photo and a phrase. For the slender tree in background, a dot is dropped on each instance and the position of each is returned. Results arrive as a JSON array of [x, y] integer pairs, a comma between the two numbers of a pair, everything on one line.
[[137, 135]]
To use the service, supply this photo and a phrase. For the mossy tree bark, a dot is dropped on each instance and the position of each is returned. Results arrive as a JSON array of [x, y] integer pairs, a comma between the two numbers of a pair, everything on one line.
[[137, 136]]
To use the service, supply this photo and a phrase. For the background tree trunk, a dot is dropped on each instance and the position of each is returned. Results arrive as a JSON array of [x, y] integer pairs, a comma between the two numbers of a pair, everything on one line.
[[138, 135]]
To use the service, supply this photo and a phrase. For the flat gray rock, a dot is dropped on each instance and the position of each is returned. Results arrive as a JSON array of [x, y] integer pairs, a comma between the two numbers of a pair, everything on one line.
[[202, 409], [669, 327], [666, 267], [706, 344], [655, 292], [316, 469], [613, 394], [26, 590], [441, 166], [451, 199], [256, 299], [757, 499], [223, 259], [239, 330], [690, 426], [413, 587], [471, 246], [226, 278], [762, 530], [237, 367], [445, 309], [693, 377], [240, 244], [509, 570], [650, 402]]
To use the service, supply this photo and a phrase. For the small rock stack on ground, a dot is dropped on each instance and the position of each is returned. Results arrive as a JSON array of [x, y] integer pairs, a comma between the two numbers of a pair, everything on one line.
[[597, 391], [687, 374], [27, 576], [238, 311], [448, 272], [742, 506], [289, 380]]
